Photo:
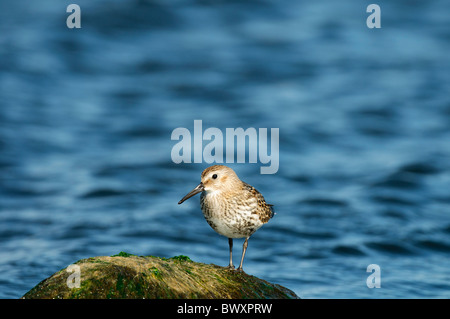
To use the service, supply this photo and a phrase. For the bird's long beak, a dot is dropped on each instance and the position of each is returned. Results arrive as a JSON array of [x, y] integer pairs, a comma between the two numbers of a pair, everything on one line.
[[200, 188]]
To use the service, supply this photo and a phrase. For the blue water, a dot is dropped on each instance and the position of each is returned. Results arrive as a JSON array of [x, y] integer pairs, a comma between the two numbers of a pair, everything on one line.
[[86, 118]]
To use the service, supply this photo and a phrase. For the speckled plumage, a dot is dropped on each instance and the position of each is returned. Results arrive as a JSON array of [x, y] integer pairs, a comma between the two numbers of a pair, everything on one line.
[[231, 207], [238, 214]]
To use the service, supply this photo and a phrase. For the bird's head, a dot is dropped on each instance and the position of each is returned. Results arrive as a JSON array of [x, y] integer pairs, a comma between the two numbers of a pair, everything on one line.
[[215, 179]]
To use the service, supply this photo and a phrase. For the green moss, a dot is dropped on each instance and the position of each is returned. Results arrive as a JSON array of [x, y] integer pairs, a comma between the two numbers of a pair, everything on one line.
[[181, 258], [155, 277], [123, 254], [119, 284], [218, 278], [78, 293], [96, 261], [155, 272], [156, 257]]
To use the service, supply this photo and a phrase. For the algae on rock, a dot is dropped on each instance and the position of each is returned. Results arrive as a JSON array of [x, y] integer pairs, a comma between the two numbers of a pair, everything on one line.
[[127, 276]]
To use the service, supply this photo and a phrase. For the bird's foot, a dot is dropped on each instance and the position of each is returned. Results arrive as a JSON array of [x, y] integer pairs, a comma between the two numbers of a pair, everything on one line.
[[240, 269], [230, 267]]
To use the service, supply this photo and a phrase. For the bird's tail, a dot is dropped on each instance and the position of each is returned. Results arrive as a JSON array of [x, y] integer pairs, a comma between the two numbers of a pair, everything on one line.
[[272, 211]]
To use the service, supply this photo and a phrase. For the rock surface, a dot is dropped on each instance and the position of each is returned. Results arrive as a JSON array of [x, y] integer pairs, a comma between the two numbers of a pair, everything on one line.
[[128, 276]]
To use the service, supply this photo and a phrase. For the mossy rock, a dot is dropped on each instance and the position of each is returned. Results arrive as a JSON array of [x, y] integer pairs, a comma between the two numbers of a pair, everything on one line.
[[127, 276]]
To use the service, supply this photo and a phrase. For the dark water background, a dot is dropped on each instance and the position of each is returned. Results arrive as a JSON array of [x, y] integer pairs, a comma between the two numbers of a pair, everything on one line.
[[364, 116]]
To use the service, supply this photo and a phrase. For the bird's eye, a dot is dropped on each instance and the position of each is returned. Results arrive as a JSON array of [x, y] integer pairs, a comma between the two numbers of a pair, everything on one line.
[[214, 176]]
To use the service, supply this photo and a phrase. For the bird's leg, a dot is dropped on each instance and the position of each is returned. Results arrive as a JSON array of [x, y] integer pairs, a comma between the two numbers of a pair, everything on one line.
[[244, 249], [230, 243]]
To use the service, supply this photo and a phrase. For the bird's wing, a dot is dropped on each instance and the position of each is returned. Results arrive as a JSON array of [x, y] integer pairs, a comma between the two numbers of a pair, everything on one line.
[[267, 208]]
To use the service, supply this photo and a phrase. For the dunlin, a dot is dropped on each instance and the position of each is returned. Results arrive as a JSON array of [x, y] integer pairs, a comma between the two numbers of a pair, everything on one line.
[[231, 207]]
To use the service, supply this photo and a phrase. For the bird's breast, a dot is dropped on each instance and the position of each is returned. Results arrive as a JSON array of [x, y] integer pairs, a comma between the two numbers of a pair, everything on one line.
[[232, 217]]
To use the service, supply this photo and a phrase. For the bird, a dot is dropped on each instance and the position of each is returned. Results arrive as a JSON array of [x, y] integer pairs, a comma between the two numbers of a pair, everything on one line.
[[232, 208]]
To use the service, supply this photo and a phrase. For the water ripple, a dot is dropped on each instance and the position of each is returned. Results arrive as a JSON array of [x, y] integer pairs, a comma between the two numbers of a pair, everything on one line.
[[363, 115]]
